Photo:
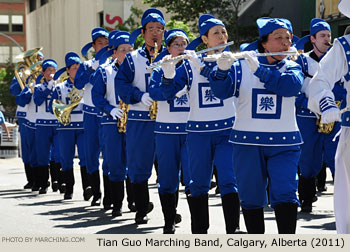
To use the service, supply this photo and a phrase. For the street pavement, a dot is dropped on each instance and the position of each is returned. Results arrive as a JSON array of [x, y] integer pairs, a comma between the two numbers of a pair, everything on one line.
[[26, 212]]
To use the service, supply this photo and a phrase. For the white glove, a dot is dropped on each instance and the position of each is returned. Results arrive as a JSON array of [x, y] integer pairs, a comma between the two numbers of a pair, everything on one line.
[[95, 64], [225, 61], [331, 115], [169, 68], [50, 84], [196, 61], [146, 99], [181, 92], [116, 113], [252, 60]]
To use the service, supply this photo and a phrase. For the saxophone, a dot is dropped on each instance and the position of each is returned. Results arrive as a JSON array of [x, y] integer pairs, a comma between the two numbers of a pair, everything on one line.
[[326, 128], [153, 109], [121, 123]]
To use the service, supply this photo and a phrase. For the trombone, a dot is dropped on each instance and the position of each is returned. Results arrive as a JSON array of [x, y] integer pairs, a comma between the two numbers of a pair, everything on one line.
[[184, 56]]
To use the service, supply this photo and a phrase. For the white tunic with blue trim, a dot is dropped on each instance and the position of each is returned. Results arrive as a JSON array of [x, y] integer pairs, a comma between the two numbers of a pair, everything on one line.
[[44, 115]]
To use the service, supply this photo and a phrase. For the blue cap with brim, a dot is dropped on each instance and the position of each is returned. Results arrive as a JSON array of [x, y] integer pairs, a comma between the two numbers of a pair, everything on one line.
[[174, 32], [344, 7], [150, 15], [120, 38], [254, 45], [105, 49], [267, 25], [95, 33], [40, 54], [70, 59], [205, 22], [49, 63]]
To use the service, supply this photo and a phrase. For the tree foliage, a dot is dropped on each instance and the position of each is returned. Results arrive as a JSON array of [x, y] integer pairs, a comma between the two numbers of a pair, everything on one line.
[[6, 99]]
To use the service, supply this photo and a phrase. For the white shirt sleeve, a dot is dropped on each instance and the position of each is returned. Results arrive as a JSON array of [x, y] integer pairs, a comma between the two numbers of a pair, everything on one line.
[[331, 69]]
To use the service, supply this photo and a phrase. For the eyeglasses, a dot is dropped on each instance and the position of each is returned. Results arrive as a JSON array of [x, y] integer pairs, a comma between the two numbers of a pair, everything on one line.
[[125, 50], [157, 30], [177, 46]]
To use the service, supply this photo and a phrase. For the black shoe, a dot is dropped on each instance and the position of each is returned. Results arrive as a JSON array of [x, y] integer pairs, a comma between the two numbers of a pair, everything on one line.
[[96, 200], [314, 199], [169, 230], [107, 207], [68, 196], [141, 220], [43, 190], [150, 207], [62, 188], [178, 218], [55, 186], [132, 207], [87, 193], [306, 207], [35, 188], [29, 185], [321, 188], [116, 212]]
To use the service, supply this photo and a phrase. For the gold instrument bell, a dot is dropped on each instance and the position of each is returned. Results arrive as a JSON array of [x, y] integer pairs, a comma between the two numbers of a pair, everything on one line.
[[121, 123], [63, 111], [326, 128], [28, 67]]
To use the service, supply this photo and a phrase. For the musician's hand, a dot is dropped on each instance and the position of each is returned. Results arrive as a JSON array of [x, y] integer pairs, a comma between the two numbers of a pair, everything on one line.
[[225, 61], [331, 115], [146, 99], [50, 84], [168, 68], [116, 113], [252, 60], [196, 61], [182, 92]]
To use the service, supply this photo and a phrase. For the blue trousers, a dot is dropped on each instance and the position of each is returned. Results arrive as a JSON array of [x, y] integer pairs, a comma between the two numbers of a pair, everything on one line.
[[44, 139], [205, 150], [105, 168], [256, 166], [25, 151], [92, 142], [55, 150], [317, 147], [115, 152], [171, 150], [28, 143], [67, 141], [140, 150]]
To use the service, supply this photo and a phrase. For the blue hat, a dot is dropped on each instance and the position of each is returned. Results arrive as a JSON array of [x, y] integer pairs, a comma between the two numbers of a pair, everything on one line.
[[49, 63], [168, 35], [121, 37], [150, 15], [70, 59], [205, 22], [316, 25], [344, 7], [95, 33], [40, 54], [249, 46], [267, 25], [105, 49]]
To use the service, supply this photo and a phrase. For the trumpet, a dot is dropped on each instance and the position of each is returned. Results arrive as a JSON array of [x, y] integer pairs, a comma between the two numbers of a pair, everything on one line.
[[293, 52], [184, 56]]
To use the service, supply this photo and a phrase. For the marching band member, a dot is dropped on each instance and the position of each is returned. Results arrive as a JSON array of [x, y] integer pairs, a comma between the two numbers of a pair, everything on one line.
[[316, 145], [265, 135], [46, 123], [72, 134], [91, 120], [132, 84], [334, 66], [209, 123], [21, 114], [105, 99], [170, 134]]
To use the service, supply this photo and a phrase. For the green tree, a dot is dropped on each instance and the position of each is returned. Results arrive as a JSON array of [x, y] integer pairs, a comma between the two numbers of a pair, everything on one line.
[[6, 99]]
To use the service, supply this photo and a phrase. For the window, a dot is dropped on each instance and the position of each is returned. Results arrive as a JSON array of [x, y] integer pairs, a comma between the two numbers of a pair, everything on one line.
[[17, 23], [32, 5], [4, 23], [42, 2], [4, 54]]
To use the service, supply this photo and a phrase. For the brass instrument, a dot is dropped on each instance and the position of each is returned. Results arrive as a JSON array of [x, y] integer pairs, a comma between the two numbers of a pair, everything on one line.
[[121, 124], [62, 111], [28, 67], [326, 128], [153, 109]]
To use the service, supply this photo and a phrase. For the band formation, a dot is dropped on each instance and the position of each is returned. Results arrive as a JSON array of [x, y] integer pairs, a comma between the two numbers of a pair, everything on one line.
[[266, 120]]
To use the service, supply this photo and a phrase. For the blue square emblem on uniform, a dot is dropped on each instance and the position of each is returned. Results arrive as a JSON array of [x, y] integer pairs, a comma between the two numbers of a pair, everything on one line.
[[180, 104], [266, 104], [207, 98]]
